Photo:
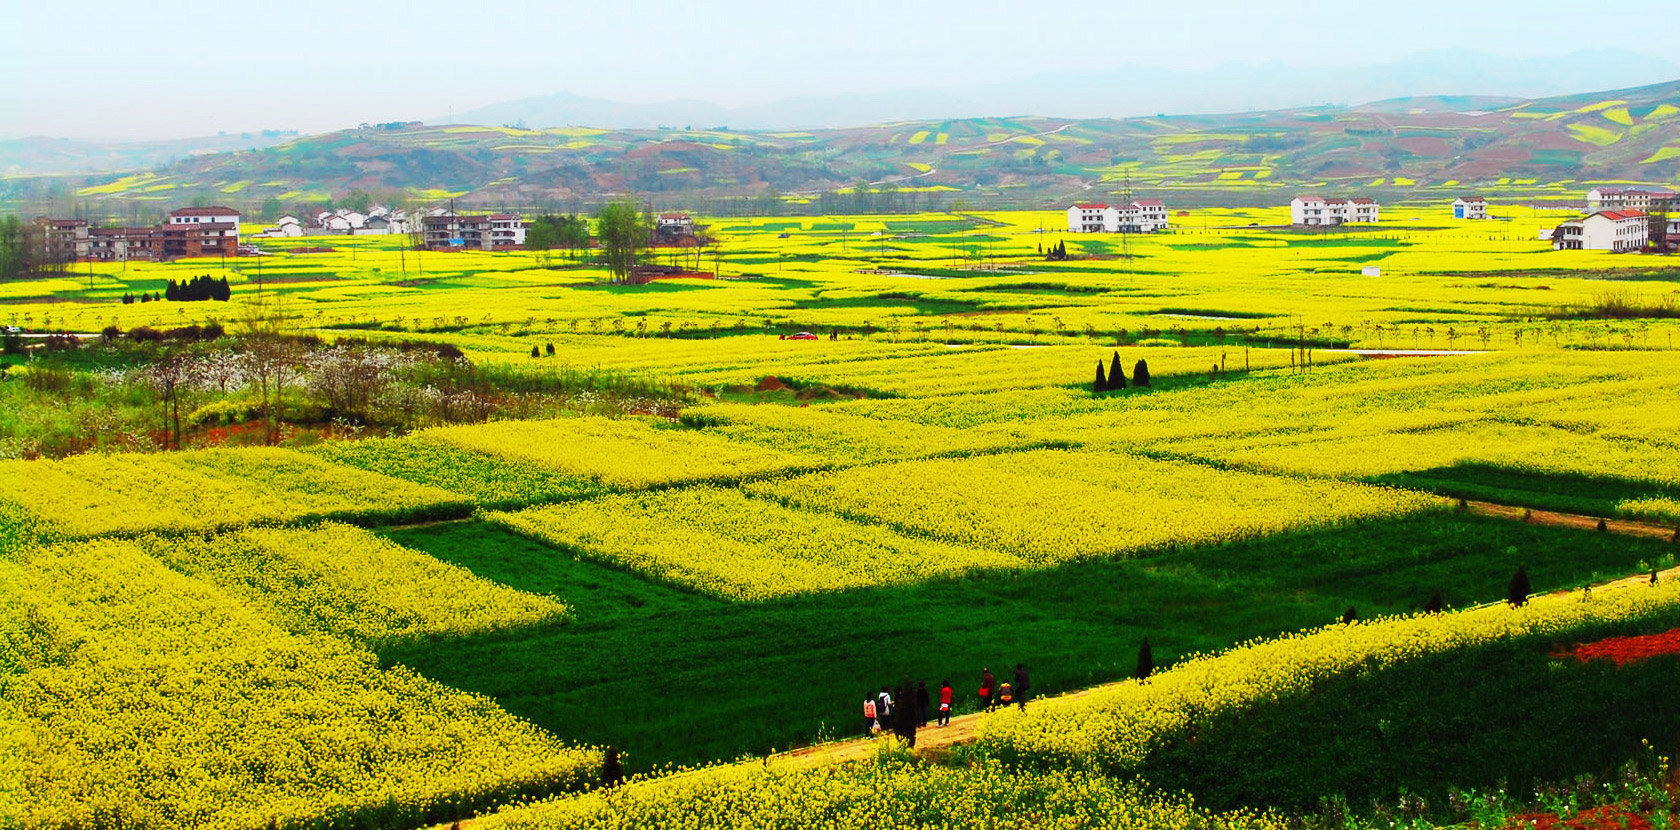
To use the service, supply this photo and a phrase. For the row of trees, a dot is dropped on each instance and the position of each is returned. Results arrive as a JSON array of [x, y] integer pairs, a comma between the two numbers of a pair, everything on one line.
[[199, 289], [1115, 377]]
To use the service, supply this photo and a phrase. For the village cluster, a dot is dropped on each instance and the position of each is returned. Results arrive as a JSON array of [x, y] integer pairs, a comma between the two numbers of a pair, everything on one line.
[[1615, 219]]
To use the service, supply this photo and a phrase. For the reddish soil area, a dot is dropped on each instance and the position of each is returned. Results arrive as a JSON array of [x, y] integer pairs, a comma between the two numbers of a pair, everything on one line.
[[1626, 650], [770, 384], [1598, 818]]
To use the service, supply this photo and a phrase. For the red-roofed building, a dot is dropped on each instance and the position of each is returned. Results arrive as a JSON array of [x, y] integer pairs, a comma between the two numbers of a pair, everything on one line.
[[1618, 231]]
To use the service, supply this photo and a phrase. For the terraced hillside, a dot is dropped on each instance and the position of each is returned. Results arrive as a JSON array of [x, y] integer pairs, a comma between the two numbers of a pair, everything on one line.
[[1549, 147]]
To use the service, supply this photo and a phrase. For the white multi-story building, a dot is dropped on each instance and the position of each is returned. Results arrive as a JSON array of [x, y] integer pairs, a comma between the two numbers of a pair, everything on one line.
[[506, 230], [1317, 210], [1619, 231], [1612, 198], [215, 215], [1470, 207], [1141, 216]]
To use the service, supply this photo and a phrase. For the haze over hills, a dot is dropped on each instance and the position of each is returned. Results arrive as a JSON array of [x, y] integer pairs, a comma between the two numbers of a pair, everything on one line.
[[1122, 92], [1540, 148], [35, 155]]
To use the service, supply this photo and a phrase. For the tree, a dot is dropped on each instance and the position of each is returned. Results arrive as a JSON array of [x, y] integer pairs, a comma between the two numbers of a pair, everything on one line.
[[624, 234], [168, 375], [358, 201], [1434, 605], [12, 255], [1145, 661], [535, 352], [1351, 615], [1140, 373], [1517, 592], [1116, 373], [1101, 384]]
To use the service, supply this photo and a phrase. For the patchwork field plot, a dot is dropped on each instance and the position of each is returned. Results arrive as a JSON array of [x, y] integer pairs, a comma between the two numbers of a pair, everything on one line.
[[92, 495], [724, 543], [1050, 506], [138, 695]]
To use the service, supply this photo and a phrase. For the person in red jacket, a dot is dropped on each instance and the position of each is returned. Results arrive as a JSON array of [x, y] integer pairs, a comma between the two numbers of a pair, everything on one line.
[[945, 704], [988, 684]]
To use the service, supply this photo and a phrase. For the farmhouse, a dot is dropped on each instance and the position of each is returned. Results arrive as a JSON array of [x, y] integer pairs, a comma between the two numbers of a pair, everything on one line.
[[1141, 216], [1470, 207], [494, 232], [672, 228], [1610, 198], [61, 239], [215, 215], [1605, 230], [1317, 210]]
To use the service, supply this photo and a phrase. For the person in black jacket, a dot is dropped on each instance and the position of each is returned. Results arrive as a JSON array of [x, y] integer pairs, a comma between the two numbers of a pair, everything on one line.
[[1021, 685], [921, 703], [905, 724]]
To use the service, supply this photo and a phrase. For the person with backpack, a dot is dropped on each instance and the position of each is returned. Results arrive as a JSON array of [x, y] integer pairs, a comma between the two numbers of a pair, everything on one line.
[[945, 704], [1022, 684], [1005, 695], [921, 703], [870, 725], [987, 684], [884, 709]]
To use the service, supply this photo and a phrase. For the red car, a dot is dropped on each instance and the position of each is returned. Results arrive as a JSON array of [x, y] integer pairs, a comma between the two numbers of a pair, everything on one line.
[[804, 335]]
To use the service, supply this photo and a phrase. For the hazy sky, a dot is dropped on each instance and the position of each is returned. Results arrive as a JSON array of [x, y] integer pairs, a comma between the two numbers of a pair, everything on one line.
[[136, 68]]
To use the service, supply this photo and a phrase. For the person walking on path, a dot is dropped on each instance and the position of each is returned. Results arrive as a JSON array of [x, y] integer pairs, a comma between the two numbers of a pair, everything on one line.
[[988, 684], [1005, 695], [884, 709], [921, 703], [870, 725], [1022, 684], [945, 704]]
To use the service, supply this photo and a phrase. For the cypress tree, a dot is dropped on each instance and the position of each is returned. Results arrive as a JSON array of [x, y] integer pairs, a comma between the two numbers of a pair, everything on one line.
[[1101, 384], [1140, 373], [1350, 616], [226, 291], [1517, 592], [534, 352], [1146, 660], [550, 349], [1602, 527], [171, 293], [1116, 373], [1434, 605]]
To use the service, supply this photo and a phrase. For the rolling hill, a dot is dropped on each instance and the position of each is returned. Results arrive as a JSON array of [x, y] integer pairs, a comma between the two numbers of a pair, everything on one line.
[[1550, 147]]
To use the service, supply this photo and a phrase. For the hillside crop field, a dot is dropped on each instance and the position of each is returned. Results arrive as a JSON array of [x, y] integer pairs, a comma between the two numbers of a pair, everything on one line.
[[594, 514]]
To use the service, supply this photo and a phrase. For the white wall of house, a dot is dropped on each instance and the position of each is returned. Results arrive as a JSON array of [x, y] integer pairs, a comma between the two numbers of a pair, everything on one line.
[[1473, 208]]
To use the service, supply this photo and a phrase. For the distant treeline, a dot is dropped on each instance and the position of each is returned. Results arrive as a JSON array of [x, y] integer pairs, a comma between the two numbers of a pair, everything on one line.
[[201, 288]]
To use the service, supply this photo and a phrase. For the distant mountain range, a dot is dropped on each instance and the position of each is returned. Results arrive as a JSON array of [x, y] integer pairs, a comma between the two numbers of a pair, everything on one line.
[[1123, 92], [36, 155], [1426, 145]]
